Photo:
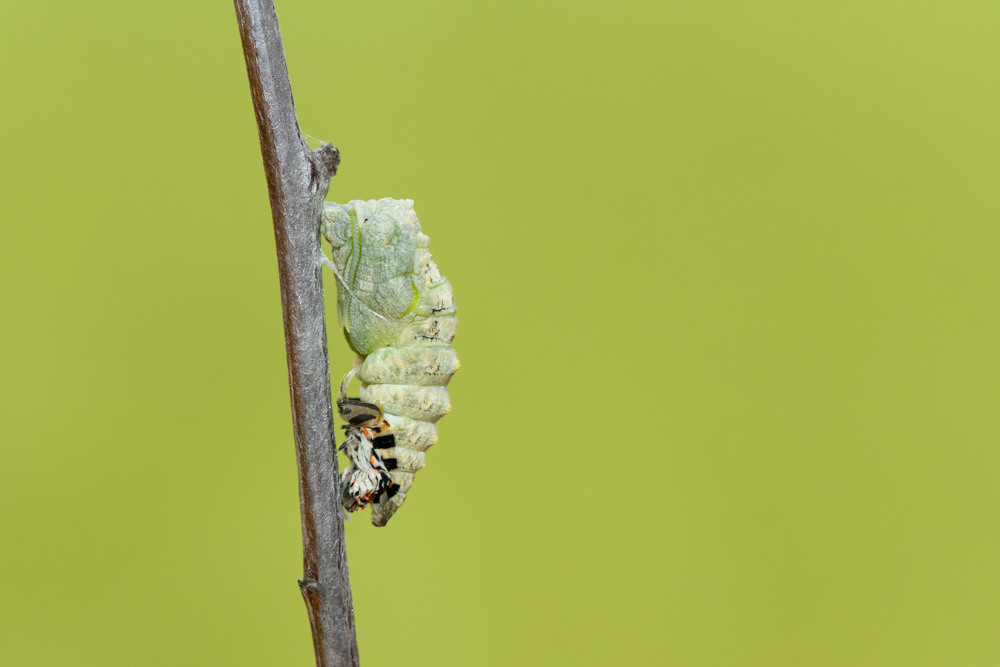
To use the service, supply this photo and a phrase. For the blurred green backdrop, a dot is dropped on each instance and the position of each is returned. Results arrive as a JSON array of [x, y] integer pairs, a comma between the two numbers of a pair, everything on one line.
[[728, 285]]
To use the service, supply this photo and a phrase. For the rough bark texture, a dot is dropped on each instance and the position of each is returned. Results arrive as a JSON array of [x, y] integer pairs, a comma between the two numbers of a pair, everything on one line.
[[297, 180]]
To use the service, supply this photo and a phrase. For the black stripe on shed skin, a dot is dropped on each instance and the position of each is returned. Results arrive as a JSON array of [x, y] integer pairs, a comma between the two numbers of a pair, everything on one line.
[[360, 419], [384, 441], [358, 403], [390, 464]]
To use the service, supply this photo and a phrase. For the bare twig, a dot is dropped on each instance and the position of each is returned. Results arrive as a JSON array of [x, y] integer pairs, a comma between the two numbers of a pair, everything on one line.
[[297, 180]]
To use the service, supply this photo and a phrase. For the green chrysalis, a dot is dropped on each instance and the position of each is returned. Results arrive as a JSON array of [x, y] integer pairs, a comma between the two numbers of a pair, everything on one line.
[[398, 315]]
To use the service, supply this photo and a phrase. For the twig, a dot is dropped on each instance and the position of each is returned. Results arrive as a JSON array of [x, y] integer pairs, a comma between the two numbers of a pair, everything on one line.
[[297, 181]]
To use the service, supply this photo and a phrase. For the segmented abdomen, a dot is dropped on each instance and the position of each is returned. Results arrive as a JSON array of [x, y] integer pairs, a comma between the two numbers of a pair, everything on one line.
[[408, 381]]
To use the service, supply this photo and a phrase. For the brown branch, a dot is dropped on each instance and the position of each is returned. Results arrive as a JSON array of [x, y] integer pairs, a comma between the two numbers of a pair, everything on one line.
[[297, 181]]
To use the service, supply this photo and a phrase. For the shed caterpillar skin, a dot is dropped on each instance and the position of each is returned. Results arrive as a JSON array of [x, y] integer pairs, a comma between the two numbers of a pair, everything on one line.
[[398, 315], [367, 441]]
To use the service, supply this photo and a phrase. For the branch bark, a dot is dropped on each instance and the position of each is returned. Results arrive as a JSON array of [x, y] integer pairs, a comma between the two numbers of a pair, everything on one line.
[[297, 182]]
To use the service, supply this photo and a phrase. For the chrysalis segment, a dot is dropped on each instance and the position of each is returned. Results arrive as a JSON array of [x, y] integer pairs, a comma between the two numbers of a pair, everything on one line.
[[398, 313], [416, 402], [430, 332], [414, 434], [409, 365]]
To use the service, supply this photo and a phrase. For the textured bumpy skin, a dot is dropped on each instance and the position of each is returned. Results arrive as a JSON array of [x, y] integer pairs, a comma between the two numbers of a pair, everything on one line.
[[383, 258]]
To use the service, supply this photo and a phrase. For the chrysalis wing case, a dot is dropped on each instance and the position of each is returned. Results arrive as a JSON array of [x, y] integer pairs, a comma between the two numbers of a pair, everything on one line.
[[398, 313]]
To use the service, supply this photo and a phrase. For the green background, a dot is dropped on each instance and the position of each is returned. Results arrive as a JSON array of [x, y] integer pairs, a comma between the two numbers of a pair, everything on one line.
[[728, 281]]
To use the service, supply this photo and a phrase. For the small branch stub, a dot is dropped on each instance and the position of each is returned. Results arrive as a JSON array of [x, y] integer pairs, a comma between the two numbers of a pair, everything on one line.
[[327, 158]]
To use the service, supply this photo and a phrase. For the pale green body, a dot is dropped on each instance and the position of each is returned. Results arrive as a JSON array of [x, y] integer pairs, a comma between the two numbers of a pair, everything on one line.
[[382, 256]]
